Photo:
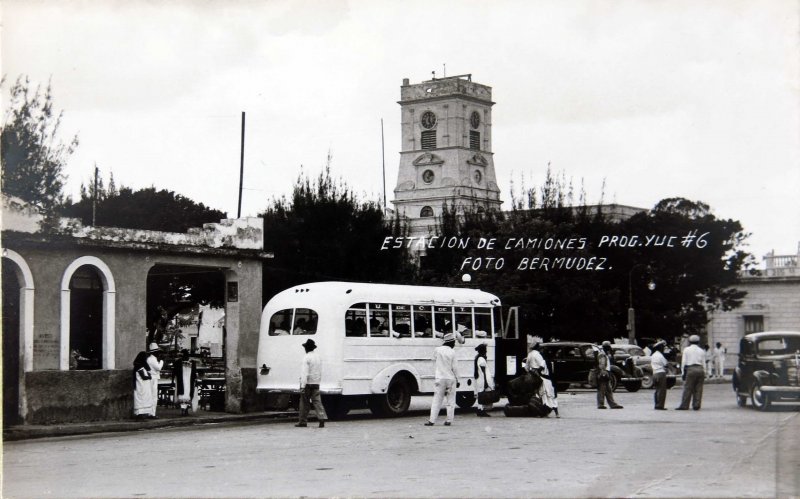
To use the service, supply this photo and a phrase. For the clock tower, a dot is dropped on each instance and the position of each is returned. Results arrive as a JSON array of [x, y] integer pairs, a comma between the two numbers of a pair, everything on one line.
[[446, 151]]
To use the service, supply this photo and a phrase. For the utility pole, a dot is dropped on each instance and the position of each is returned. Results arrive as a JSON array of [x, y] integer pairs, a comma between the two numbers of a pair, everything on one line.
[[383, 159], [94, 196], [241, 172]]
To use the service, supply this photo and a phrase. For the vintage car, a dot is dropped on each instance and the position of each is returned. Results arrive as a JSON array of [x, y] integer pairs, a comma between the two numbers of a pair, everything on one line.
[[768, 369], [574, 361], [622, 352]]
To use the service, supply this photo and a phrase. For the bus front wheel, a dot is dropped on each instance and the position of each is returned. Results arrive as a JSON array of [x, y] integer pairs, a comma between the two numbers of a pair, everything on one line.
[[395, 401]]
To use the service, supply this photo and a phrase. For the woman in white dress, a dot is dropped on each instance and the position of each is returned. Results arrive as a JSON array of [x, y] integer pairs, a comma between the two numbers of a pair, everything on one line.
[[483, 378]]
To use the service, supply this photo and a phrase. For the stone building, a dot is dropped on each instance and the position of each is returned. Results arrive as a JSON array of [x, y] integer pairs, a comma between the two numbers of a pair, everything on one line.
[[87, 288], [446, 153], [772, 304]]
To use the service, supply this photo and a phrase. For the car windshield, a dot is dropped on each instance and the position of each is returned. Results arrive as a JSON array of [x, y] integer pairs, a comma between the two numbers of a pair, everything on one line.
[[779, 346]]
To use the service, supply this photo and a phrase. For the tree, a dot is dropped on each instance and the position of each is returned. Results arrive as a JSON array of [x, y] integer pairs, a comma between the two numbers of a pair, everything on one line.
[[33, 158], [147, 208], [325, 232]]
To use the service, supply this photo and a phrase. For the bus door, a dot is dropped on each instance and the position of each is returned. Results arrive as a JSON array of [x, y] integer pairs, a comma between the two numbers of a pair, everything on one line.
[[510, 348]]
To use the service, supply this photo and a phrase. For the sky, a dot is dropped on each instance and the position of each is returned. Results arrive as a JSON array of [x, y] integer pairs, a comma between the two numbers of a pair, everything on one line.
[[635, 100]]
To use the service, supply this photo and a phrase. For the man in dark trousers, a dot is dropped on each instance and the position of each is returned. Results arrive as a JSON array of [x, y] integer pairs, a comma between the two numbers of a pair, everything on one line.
[[310, 378], [604, 392]]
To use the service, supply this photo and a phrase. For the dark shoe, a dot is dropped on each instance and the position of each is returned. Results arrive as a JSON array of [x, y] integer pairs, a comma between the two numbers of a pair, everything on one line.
[[322, 424], [301, 425], [601, 407], [483, 414], [696, 408], [447, 423], [681, 408], [429, 423], [616, 407], [152, 417]]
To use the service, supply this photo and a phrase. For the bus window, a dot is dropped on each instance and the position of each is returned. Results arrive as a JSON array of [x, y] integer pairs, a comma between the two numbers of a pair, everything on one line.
[[280, 323], [355, 320], [464, 321], [305, 321], [423, 318], [483, 322], [378, 319], [401, 320], [443, 321]]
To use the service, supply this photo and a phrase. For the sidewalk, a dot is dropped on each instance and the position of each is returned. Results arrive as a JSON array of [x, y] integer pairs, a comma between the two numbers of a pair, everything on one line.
[[167, 418]]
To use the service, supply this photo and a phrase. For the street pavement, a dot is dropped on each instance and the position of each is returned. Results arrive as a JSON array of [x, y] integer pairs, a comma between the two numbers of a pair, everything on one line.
[[719, 451]]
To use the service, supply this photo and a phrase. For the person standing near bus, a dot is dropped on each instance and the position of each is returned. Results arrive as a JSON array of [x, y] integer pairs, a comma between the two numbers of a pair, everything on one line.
[[445, 380], [483, 378], [155, 364], [310, 379]]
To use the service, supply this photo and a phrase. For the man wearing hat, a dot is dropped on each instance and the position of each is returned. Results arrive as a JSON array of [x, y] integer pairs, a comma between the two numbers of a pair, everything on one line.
[[605, 358], [155, 365], [659, 365], [445, 380], [693, 360], [310, 378]]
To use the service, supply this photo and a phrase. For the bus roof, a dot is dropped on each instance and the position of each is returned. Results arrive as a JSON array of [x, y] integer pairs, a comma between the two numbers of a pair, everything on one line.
[[347, 293]]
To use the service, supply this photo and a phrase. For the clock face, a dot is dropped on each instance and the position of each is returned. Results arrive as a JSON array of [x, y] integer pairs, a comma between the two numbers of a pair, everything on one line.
[[428, 120], [475, 119], [478, 176], [427, 176]]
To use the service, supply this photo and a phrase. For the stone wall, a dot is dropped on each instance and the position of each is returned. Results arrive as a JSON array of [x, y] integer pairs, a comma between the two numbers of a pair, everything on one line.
[[77, 396]]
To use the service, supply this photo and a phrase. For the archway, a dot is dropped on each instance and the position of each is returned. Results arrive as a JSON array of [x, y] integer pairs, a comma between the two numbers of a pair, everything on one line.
[[17, 297], [82, 277]]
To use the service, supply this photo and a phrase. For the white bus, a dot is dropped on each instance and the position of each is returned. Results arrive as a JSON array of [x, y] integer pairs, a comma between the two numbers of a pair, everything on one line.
[[376, 340]]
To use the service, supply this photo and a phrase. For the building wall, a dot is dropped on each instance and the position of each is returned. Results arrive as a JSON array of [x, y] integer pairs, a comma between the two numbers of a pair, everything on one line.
[[53, 394], [776, 299]]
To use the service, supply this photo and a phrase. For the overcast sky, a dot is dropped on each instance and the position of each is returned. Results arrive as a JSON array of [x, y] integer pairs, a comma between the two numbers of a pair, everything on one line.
[[698, 99]]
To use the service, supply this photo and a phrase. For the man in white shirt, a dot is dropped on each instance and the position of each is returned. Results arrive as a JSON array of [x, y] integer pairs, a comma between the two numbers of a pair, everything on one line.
[[659, 365], [310, 379], [693, 360], [155, 374], [445, 380], [547, 392], [719, 360]]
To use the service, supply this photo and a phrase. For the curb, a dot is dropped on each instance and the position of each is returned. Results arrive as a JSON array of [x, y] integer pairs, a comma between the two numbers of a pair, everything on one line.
[[26, 432]]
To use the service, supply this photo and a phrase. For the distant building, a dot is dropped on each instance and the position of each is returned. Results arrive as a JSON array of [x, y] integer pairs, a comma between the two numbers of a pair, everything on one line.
[[772, 303]]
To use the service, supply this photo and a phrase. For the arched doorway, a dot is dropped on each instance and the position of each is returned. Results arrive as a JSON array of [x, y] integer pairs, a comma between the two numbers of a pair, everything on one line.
[[86, 319], [11, 343]]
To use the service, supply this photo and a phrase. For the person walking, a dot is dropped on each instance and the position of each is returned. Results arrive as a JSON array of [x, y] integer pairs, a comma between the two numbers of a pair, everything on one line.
[[719, 359], [536, 363], [693, 373], [445, 380], [142, 390], [155, 364], [709, 365], [659, 363], [604, 392], [483, 378], [310, 379]]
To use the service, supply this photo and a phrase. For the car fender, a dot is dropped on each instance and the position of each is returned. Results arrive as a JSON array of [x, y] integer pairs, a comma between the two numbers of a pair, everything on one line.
[[762, 377], [380, 383]]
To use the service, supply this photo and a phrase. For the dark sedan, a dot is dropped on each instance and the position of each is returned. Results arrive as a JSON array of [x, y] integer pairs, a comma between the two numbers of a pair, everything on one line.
[[768, 369], [573, 361]]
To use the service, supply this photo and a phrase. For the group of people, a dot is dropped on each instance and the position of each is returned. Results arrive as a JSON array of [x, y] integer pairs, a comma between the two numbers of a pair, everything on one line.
[[715, 360], [147, 367]]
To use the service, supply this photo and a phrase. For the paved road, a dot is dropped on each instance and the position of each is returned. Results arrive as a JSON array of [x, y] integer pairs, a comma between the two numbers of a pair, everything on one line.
[[720, 451]]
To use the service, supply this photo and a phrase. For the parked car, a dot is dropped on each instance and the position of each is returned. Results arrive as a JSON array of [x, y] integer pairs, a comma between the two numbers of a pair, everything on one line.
[[640, 358], [572, 362], [768, 369]]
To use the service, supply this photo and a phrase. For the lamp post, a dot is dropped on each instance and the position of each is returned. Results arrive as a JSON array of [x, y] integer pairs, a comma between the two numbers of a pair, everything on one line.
[[631, 312]]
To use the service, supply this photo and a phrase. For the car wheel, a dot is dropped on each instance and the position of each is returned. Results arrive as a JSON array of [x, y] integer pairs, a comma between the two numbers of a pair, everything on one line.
[[759, 398], [633, 386], [396, 400], [647, 381], [613, 381], [465, 400]]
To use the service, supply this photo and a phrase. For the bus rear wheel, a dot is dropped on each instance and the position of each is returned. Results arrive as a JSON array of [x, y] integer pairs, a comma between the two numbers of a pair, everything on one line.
[[465, 400], [395, 401]]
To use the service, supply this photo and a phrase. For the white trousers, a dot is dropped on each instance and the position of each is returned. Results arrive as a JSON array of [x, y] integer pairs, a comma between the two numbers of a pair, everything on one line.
[[444, 390]]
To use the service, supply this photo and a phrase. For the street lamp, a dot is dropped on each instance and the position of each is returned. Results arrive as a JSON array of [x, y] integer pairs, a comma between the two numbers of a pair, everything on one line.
[[631, 313]]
